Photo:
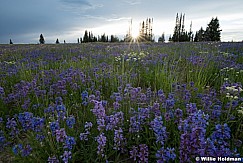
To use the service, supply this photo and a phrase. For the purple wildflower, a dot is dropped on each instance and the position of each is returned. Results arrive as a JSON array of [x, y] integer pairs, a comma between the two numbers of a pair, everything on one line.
[[66, 156], [119, 140], [143, 153], [52, 159], [69, 142], [114, 120], [54, 126], [134, 153], [165, 155], [61, 112], [159, 130], [25, 120], [101, 139], [60, 135], [70, 121], [26, 150]]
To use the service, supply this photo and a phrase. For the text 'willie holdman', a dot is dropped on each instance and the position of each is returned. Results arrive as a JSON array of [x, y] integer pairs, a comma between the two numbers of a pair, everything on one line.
[[229, 159]]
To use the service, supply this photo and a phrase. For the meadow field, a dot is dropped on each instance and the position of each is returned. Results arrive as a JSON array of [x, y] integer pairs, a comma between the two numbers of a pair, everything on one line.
[[121, 102]]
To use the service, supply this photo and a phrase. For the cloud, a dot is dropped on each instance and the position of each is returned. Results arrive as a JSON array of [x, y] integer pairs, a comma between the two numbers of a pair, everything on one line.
[[77, 2], [133, 2], [109, 19], [79, 6]]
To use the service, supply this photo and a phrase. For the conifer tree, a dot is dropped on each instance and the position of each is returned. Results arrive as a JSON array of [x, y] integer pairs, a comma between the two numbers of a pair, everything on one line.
[[10, 42], [201, 35], [162, 38], [86, 37], [57, 41], [213, 32], [42, 40]]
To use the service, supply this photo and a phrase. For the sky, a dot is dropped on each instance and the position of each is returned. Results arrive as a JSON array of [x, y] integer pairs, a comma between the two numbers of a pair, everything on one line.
[[23, 21]]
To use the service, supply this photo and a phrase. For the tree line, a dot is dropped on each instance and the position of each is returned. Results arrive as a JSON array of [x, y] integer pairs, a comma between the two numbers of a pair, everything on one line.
[[211, 33]]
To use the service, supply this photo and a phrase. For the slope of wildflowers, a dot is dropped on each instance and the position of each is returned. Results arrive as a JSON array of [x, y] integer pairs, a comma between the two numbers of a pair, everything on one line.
[[120, 102]]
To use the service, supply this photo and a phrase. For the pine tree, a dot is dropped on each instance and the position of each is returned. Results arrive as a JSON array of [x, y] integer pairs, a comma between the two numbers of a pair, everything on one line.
[[170, 39], [10, 42], [190, 35], [57, 41], [213, 32], [201, 35], [86, 37], [42, 40], [162, 38], [196, 37], [176, 34]]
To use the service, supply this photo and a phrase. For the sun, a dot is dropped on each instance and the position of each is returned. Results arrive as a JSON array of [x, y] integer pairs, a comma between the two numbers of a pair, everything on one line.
[[135, 34]]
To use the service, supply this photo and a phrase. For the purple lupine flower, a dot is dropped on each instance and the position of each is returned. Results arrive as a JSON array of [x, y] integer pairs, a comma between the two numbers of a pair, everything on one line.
[[170, 154], [116, 105], [70, 121], [37, 124], [216, 112], [67, 155], [143, 153], [26, 120], [26, 151], [148, 94], [160, 155], [12, 124], [178, 113], [88, 125], [84, 135], [17, 149], [54, 126], [101, 123], [165, 155], [69, 142], [1, 92], [99, 110], [23, 150], [60, 135], [84, 95], [143, 114], [169, 103], [134, 124], [39, 137], [119, 140], [168, 115], [197, 141], [161, 96], [184, 148], [221, 135], [191, 108], [134, 153], [101, 139], [187, 96], [61, 112], [159, 130], [114, 120], [143, 97], [58, 100], [52, 159]]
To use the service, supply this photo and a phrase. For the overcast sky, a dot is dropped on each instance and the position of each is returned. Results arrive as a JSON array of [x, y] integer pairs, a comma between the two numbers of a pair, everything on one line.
[[24, 20]]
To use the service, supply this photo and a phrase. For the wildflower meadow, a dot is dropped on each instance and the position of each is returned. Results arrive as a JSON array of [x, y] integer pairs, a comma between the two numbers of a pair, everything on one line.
[[121, 102]]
